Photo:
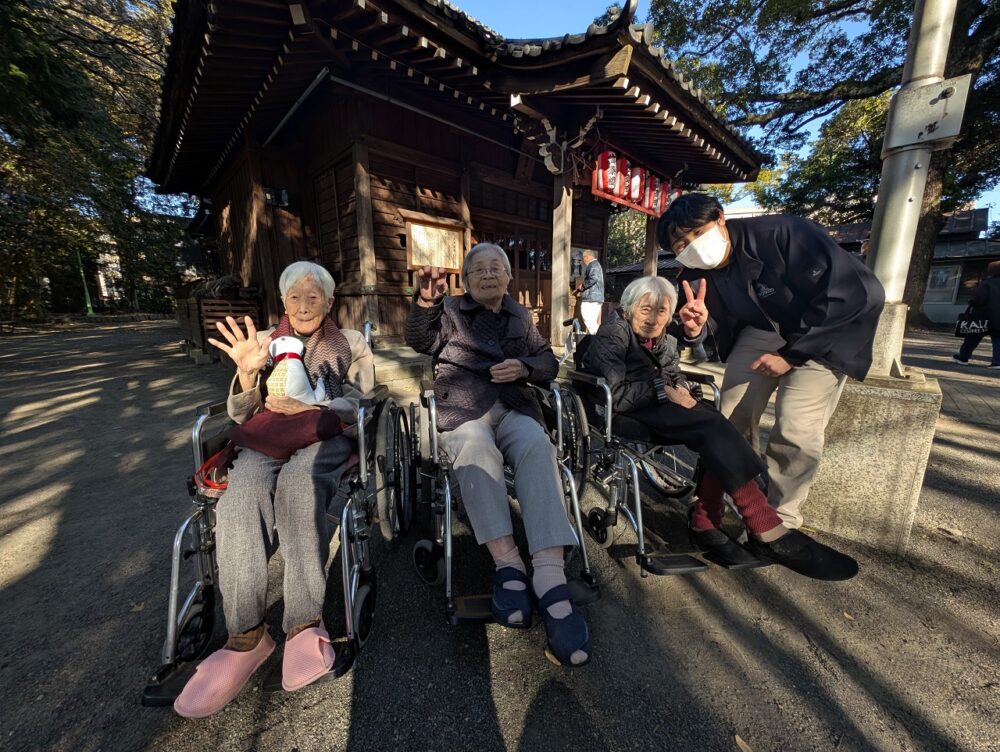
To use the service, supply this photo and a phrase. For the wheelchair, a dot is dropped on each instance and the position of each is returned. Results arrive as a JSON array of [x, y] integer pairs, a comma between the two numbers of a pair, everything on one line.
[[438, 500], [611, 451], [378, 485], [573, 336]]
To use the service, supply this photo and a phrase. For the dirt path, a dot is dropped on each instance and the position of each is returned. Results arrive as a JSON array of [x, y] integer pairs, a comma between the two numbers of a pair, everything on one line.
[[94, 452]]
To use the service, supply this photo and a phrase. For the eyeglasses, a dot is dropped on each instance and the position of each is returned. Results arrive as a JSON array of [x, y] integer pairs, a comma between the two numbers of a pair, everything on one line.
[[493, 272]]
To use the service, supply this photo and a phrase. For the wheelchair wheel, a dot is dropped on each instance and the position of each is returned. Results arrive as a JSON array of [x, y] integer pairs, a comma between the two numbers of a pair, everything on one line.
[[364, 613], [395, 473], [670, 485], [428, 558], [196, 634], [603, 536], [576, 439]]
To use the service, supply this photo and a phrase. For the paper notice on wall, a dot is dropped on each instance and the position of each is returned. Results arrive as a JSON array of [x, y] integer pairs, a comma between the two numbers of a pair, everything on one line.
[[434, 245]]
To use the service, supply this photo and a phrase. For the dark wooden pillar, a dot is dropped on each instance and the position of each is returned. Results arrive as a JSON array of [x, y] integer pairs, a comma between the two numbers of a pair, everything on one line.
[[366, 235], [652, 249]]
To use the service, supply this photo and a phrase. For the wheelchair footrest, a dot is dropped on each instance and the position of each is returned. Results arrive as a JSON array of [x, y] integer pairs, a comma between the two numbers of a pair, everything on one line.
[[667, 564], [584, 589], [720, 562], [474, 607], [346, 653], [166, 684]]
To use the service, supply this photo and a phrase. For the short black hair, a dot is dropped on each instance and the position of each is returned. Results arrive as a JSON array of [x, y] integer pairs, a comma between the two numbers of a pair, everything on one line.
[[686, 213]]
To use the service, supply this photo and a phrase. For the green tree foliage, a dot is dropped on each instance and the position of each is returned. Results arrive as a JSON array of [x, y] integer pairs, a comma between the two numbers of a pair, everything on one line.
[[782, 65], [79, 85], [626, 237], [837, 181]]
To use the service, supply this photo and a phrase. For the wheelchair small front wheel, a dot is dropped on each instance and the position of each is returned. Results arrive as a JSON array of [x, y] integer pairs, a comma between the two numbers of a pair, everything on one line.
[[364, 614], [428, 558], [196, 633], [603, 535]]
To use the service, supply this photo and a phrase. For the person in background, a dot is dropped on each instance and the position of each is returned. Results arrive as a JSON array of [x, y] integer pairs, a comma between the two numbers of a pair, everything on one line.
[[985, 304], [592, 289]]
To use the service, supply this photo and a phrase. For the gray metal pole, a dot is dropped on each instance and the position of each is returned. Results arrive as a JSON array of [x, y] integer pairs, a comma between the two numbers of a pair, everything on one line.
[[904, 177]]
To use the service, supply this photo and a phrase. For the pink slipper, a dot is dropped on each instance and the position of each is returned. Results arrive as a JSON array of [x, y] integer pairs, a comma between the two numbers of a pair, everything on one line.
[[308, 656], [219, 678]]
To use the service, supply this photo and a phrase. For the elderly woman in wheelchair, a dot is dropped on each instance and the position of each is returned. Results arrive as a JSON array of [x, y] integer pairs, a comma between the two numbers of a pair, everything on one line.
[[638, 359], [486, 353], [277, 488]]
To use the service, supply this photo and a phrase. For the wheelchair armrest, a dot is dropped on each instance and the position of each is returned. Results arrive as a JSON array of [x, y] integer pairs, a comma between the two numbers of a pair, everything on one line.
[[698, 378], [585, 378], [378, 393], [426, 392], [211, 410]]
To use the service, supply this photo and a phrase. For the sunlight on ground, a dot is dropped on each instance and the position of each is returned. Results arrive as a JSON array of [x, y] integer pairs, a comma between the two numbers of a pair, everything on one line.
[[30, 524], [50, 407]]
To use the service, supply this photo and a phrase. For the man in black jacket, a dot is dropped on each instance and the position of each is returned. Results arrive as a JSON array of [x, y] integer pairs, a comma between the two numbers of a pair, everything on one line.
[[790, 311], [985, 304]]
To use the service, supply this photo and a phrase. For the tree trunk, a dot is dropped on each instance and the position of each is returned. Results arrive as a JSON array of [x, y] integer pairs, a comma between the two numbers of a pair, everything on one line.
[[931, 222]]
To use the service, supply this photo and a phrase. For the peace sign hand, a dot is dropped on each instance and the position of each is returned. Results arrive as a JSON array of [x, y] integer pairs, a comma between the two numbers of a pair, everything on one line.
[[694, 314], [247, 353], [432, 284]]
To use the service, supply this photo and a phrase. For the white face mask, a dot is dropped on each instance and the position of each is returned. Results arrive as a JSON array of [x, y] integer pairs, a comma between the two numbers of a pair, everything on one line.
[[704, 252]]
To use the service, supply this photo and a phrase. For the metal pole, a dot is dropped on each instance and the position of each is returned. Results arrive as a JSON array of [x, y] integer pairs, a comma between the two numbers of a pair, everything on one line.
[[904, 177], [83, 278]]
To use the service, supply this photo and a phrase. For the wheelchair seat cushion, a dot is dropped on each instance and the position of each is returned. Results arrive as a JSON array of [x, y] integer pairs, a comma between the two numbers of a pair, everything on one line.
[[280, 436], [623, 426]]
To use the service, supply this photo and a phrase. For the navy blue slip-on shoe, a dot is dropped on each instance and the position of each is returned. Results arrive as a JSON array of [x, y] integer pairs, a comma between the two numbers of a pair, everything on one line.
[[506, 601], [565, 636]]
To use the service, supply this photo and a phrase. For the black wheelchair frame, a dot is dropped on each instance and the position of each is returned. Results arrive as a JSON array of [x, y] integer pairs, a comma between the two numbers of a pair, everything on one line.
[[615, 464]]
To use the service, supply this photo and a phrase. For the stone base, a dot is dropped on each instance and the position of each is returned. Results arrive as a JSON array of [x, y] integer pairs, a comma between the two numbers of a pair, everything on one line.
[[877, 445], [887, 350], [401, 369]]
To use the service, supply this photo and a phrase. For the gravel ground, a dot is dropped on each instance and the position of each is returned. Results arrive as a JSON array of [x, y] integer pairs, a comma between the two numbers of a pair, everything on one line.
[[95, 450]]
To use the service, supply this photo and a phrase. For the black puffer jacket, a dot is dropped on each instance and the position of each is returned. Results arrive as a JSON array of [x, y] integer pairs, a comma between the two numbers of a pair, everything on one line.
[[636, 375], [986, 302], [824, 302]]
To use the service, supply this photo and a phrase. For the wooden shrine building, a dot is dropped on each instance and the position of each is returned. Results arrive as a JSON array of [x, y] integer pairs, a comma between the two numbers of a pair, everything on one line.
[[369, 135]]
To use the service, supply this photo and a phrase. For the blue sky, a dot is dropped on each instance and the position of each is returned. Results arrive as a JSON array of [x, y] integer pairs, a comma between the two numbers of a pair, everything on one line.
[[519, 19]]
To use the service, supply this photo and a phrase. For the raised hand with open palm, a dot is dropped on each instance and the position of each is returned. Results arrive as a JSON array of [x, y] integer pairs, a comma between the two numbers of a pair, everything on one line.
[[247, 353]]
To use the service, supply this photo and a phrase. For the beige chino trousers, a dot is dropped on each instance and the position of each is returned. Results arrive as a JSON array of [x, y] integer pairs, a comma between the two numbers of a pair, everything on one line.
[[806, 398]]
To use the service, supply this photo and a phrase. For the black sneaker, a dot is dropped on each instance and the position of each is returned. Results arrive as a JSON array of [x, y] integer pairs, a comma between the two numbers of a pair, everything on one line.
[[808, 557], [723, 550]]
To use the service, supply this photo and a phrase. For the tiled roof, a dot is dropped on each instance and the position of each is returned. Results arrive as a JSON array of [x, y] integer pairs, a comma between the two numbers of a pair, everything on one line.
[[643, 35], [665, 263]]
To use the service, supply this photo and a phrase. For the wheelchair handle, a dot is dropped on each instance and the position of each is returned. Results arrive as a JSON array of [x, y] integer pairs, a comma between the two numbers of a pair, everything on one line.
[[212, 409], [699, 378], [367, 330]]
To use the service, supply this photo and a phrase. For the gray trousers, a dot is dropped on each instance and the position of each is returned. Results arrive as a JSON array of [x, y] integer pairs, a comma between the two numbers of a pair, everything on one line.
[[807, 396], [478, 450], [267, 496]]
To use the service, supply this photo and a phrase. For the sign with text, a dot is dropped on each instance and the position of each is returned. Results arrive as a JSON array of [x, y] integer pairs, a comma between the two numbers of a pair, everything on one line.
[[434, 244]]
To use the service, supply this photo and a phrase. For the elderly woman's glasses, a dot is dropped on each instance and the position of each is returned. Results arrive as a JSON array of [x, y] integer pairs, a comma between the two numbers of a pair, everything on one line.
[[493, 271]]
